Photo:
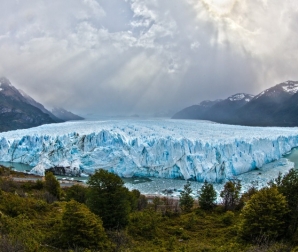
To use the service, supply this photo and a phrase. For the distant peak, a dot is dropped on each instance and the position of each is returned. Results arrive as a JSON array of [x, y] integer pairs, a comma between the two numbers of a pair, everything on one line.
[[4, 80], [241, 96]]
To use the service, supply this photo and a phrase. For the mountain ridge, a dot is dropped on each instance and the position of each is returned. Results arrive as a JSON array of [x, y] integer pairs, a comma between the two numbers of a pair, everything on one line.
[[271, 107]]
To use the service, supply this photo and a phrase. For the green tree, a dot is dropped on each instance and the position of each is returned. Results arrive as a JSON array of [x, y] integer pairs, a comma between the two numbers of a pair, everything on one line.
[[231, 195], [186, 200], [264, 215], [77, 193], [82, 228], [109, 199], [207, 196], [288, 186], [52, 185]]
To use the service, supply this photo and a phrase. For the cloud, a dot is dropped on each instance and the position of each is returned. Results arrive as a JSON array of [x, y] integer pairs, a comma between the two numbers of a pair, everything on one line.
[[145, 56]]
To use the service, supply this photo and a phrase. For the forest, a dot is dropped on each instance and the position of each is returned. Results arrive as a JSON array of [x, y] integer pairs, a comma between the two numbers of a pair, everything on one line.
[[104, 215]]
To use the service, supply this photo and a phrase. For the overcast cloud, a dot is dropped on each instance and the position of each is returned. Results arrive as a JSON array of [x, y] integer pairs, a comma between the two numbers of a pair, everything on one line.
[[146, 56]]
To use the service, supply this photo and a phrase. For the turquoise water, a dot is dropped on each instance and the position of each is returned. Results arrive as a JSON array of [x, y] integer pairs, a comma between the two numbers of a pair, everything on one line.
[[17, 166], [293, 157]]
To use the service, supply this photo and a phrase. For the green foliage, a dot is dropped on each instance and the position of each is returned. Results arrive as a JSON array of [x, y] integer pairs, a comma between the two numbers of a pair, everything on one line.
[[52, 185], [109, 199], [228, 218], [186, 200], [264, 215], [143, 224], [207, 196], [288, 186], [231, 195], [20, 230], [246, 196], [82, 228], [29, 186], [77, 193]]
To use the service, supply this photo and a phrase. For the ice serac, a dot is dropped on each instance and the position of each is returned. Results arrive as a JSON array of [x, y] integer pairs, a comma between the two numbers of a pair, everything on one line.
[[197, 150]]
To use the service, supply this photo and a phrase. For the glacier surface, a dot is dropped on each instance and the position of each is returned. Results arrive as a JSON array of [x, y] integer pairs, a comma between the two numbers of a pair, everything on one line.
[[197, 150]]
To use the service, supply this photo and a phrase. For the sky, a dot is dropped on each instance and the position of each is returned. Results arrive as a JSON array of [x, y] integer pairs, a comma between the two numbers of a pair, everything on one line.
[[146, 57]]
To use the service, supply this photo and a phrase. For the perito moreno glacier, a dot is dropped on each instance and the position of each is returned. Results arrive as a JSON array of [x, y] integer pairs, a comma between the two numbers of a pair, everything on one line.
[[197, 150]]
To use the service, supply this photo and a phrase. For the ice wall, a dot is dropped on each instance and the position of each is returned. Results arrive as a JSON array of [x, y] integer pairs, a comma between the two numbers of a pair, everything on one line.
[[166, 149]]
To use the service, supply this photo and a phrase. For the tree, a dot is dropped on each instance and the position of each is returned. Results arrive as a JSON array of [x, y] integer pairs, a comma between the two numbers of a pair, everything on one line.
[[76, 192], [264, 215], [82, 228], [231, 195], [52, 185], [288, 186], [207, 196], [108, 198], [186, 200]]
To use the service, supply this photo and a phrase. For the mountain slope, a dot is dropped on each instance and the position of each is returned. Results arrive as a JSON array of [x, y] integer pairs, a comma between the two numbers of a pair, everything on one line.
[[36, 104], [260, 110], [16, 112], [224, 111], [65, 115], [276, 106], [195, 111]]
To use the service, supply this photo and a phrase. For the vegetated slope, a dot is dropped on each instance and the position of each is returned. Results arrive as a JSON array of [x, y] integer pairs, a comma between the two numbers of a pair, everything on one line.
[[65, 115], [16, 112], [276, 106]]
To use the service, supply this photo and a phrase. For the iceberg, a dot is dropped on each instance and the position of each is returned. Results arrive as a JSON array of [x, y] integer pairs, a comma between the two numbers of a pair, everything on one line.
[[185, 149]]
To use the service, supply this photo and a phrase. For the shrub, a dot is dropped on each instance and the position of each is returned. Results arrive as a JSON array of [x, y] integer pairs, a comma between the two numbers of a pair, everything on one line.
[[264, 215]]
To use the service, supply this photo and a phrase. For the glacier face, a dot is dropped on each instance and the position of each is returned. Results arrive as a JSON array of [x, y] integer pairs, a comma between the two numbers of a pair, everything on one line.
[[198, 150]]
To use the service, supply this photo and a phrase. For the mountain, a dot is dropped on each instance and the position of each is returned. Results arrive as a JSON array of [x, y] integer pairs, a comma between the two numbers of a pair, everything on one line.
[[65, 115], [276, 106], [15, 110], [36, 104], [195, 111], [217, 111], [264, 109], [225, 110]]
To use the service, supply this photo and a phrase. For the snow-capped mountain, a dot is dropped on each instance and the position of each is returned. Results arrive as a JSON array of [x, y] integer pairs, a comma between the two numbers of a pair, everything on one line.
[[262, 110], [17, 111], [218, 110], [224, 111], [65, 115], [275, 106]]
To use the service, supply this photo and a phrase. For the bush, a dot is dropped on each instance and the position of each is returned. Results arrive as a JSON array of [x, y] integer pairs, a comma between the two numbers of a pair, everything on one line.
[[77, 193], [228, 218], [264, 215], [143, 224], [82, 228]]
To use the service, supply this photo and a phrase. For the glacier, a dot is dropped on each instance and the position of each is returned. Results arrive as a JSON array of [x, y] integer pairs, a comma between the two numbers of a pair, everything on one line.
[[161, 148]]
